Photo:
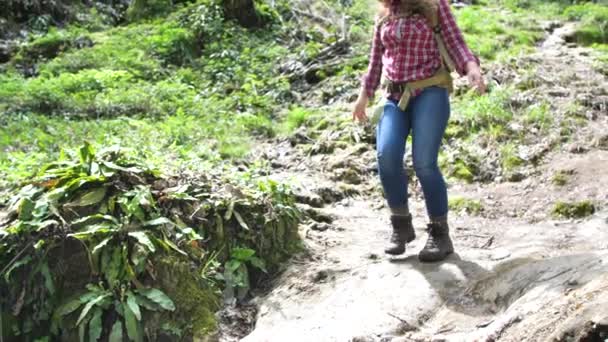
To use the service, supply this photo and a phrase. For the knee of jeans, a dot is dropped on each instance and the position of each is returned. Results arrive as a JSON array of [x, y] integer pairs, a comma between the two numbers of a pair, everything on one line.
[[425, 168], [388, 163]]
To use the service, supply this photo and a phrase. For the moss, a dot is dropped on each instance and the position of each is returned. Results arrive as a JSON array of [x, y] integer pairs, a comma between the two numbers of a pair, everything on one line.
[[573, 209], [195, 302], [462, 170], [467, 205]]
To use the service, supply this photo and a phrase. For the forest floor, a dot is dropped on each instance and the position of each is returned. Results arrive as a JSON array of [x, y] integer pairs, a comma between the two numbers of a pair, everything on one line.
[[518, 273]]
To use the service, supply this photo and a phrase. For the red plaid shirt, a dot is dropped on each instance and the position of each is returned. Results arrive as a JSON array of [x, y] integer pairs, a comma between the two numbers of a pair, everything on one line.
[[406, 49]]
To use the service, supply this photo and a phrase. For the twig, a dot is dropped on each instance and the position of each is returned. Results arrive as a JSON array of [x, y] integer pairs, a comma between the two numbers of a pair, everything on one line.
[[16, 258], [488, 243], [398, 318], [475, 235]]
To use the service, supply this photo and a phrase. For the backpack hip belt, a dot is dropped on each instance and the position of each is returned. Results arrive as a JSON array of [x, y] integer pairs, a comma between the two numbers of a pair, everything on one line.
[[441, 78]]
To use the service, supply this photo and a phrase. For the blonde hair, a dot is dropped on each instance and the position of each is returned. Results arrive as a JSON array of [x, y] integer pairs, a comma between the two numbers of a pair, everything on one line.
[[426, 8]]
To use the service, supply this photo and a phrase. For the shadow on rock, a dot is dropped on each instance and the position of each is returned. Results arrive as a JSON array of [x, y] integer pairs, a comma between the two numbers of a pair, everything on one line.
[[451, 279]]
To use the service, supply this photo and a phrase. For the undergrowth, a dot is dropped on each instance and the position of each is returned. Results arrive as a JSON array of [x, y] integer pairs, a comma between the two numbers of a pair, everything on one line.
[[91, 246]]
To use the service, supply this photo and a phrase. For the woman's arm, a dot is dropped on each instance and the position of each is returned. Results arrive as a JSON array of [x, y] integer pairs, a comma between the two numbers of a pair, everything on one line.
[[465, 62], [371, 80], [452, 36]]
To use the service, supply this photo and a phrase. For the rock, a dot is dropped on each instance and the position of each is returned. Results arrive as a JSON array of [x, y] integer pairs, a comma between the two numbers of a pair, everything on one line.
[[601, 142], [330, 194], [577, 148], [7, 50], [311, 199], [320, 276], [315, 214], [349, 176], [320, 226]]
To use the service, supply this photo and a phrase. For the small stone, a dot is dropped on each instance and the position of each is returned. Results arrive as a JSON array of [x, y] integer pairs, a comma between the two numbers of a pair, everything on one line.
[[373, 256], [320, 226], [320, 276]]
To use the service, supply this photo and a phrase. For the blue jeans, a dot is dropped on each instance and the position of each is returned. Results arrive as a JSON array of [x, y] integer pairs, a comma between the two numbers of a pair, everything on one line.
[[426, 116]]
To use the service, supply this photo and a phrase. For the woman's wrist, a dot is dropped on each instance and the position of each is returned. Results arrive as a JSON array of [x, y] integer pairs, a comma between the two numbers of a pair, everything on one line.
[[471, 65], [363, 97]]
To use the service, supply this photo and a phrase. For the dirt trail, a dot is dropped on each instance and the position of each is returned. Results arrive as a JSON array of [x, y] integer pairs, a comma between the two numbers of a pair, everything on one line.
[[519, 277]]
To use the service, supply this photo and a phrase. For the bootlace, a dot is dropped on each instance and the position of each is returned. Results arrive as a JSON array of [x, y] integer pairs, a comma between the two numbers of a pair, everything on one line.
[[432, 231]]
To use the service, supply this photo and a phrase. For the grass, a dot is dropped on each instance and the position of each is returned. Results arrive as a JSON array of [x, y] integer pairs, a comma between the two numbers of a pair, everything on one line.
[[539, 116], [508, 157], [185, 87], [182, 90], [573, 209], [496, 33], [180, 141], [475, 114], [593, 26], [295, 118], [561, 177]]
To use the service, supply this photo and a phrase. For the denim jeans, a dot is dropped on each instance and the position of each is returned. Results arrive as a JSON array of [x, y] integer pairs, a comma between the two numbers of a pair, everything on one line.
[[426, 117]]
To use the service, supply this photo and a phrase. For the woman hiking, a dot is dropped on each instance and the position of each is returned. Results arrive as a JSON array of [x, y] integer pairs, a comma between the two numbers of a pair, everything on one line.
[[415, 44]]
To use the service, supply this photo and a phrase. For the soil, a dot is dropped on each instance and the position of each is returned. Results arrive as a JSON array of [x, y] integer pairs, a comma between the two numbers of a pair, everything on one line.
[[518, 273]]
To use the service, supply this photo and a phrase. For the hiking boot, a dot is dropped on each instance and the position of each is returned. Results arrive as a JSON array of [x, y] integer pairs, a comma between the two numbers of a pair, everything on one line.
[[403, 232], [439, 245]]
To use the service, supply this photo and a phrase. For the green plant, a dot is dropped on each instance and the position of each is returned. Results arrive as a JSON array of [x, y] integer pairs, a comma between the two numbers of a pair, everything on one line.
[[539, 115], [236, 274], [477, 113], [295, 118], [509, 158], [467, 205], [87, 239], [560, 178], [573, 209], [593, 26]]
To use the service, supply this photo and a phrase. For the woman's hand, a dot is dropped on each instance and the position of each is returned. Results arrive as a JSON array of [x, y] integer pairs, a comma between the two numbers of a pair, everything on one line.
[[359, 111], [474, 77], [360, 106]]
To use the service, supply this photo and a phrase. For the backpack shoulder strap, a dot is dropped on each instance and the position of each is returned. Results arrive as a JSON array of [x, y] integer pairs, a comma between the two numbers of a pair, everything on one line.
[[434, 18], [381, 20], [446, 59]]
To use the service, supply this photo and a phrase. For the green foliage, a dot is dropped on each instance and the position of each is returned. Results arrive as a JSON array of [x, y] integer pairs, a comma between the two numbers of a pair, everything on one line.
[[295, 118], [574, 209], [467, 205], [593, 26], [461, 164], [494, 33], [474, 113], [539, 116], [236, 274], [509, 158], [560, 178], [44, 47], [143, 9], [120, 214]]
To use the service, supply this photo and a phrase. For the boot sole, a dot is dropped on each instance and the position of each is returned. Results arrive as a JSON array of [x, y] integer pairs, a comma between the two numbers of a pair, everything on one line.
[[408, 239], [434, 259]]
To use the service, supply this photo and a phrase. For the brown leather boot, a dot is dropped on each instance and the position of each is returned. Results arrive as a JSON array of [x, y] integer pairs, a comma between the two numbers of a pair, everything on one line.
[[403, 232], [439, 245]]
